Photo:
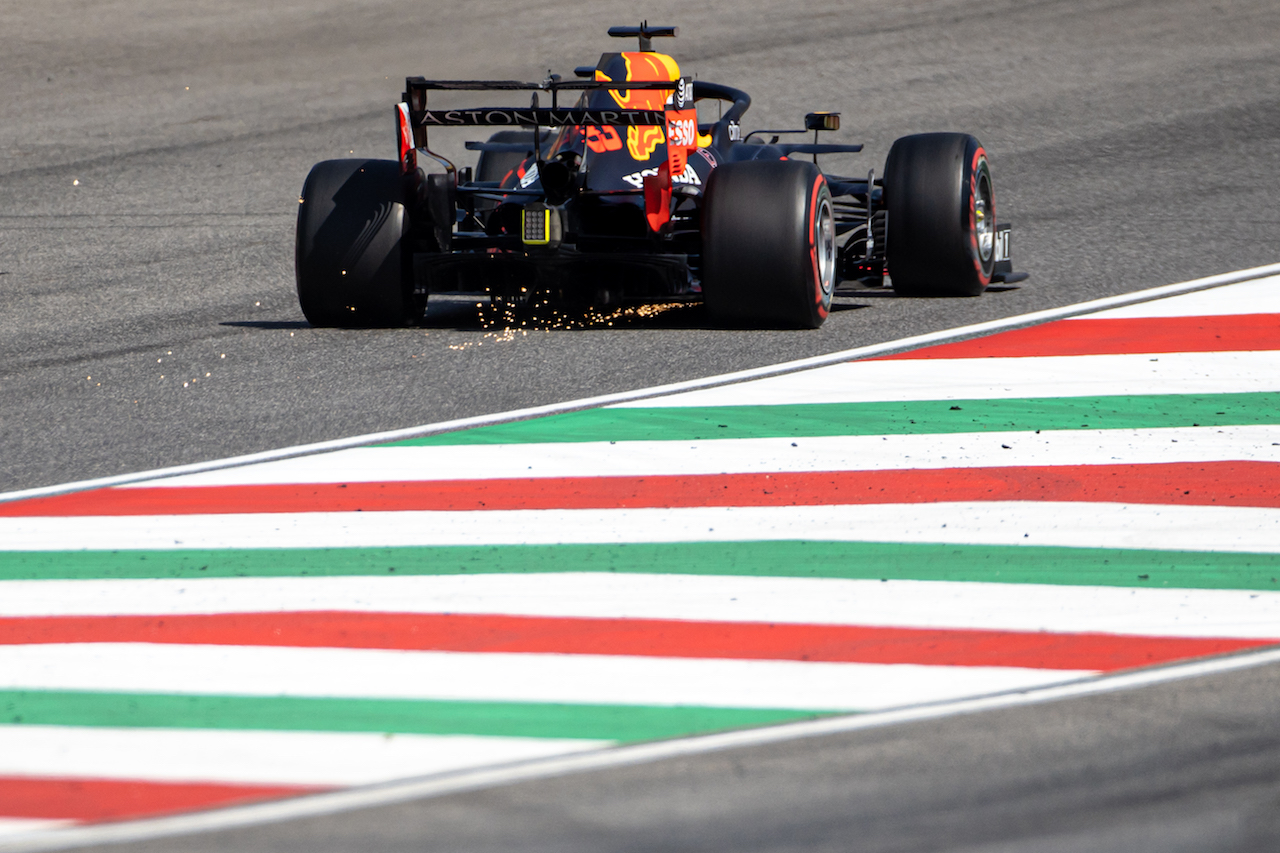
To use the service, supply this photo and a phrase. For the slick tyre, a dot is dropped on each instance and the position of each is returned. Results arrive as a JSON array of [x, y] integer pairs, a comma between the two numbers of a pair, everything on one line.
[[354, 262], [942, 216], [768, 245]]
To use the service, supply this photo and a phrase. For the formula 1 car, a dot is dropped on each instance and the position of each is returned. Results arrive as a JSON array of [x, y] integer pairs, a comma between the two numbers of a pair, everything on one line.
[[628, 196]]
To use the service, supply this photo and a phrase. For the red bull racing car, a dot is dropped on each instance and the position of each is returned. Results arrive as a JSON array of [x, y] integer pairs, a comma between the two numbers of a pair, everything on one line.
[[631, 183]]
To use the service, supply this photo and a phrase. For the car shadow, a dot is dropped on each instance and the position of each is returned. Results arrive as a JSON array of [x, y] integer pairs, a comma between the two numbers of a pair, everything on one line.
[[889, 293]]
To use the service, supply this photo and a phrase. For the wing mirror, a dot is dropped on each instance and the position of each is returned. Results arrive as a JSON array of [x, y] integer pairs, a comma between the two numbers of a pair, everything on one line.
[[822, 121]]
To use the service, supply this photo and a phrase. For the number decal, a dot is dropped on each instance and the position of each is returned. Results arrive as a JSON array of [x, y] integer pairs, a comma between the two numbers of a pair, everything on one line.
[[602, 139]]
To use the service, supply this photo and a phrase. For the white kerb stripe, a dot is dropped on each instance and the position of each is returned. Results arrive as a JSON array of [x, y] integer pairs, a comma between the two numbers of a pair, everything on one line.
[[13, 826], [997, 378], [605, 595], [1260, 296], [1086, 525], [754, 456], [257, 757], [499, 677]]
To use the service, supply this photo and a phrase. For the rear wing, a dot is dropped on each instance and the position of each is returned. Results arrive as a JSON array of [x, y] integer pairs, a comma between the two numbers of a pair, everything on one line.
[[414, 117], [421, 117]]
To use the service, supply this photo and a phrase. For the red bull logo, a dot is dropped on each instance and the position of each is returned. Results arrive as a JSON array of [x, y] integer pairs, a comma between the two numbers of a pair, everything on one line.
[[642, 140], [644, 68]]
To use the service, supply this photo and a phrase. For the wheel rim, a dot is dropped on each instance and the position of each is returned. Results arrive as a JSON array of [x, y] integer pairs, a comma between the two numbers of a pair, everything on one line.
[[984, 225], [826, 249]]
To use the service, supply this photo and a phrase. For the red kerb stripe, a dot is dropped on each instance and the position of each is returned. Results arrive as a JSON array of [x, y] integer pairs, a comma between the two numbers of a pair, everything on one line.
[[114, 799], [1228, 333], [641, 637], [1252, 484]]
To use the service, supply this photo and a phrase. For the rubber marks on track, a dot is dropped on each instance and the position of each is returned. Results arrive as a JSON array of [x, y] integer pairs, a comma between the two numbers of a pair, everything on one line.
[[1041, 505]]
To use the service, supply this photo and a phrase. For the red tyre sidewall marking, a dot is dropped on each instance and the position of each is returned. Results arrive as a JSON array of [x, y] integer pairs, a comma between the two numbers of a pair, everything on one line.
[[818, 184], [979, 157]]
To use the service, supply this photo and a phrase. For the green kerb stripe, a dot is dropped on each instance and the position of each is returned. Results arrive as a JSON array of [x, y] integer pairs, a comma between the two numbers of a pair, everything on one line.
[[985, 563], [879, 418], [403, 716]]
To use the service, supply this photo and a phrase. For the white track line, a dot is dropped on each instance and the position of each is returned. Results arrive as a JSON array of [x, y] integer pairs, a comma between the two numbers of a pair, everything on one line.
[[1261, 296], [755, 455], [470, 780], [21, 826], [497, 677], [708, 382], [606, 595], [256, 757], [997, 379], [1084, 524]]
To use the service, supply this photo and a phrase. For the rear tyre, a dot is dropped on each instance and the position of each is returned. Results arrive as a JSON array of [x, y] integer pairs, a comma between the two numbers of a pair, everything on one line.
[[354, 260], [942, 216], [768, 245]]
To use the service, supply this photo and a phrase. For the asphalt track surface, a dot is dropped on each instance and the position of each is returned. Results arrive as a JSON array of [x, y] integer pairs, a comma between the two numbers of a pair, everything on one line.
[[149, 168]]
